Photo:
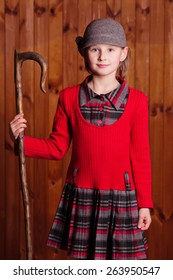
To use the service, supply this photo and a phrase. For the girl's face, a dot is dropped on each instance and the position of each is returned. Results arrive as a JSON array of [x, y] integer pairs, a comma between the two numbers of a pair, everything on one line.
[[104, 60]]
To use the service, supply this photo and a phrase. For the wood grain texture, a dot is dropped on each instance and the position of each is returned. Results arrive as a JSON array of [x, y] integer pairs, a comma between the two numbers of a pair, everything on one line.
[[70, 24], [41, 129], [156, 99], [84, 19], [50, 28], [142, 45], [113, 9], [168, 132], [12, 188], [98, 8], [128, 16], [2, 126]]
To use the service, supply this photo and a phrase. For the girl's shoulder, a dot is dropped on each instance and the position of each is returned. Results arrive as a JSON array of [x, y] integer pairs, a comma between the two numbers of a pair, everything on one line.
[[138, 104], [137, 97], [70, 90], [68, 97], [136, 93]]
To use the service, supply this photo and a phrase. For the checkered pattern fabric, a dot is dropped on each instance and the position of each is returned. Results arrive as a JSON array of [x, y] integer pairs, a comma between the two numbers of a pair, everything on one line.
[[98, 224], [103, 109]]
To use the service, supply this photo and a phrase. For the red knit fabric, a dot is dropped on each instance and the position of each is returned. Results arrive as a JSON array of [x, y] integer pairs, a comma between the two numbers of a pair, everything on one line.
[[101, 155]]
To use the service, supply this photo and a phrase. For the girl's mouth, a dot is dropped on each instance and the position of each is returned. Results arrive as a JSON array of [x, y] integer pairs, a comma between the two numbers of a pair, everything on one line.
[[102, 65]]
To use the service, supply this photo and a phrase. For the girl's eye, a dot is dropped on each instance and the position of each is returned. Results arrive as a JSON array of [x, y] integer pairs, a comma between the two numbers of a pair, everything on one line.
[[111, 49], [94, 49]]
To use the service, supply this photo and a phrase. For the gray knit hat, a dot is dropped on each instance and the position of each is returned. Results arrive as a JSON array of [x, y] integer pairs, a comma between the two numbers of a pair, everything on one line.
[[102, 31]]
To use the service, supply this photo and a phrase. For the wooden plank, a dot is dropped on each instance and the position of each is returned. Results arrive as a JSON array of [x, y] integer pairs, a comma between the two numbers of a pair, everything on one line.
[[26, 40], [98, 9], [55, 85], [168, 134], [142, 45], [84, 18], [11, 162], [70, 52], [41, 125], [128, 21], [113, 9], [156, 77], [2, 126]]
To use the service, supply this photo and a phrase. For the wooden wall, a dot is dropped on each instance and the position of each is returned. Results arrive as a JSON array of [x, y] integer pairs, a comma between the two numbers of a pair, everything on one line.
[[50, 27]]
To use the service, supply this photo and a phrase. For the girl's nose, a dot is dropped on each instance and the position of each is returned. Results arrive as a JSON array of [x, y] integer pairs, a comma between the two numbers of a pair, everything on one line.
[[102, 55]]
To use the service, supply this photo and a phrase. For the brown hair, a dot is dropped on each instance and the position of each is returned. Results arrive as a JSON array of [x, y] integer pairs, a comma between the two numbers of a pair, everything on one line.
[[123, 68]]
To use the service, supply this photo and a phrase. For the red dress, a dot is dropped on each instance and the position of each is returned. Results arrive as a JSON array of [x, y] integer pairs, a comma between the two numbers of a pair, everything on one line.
[[108, 179]]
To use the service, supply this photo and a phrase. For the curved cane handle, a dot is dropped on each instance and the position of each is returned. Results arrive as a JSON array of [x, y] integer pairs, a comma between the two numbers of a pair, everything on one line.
[[20, 57]]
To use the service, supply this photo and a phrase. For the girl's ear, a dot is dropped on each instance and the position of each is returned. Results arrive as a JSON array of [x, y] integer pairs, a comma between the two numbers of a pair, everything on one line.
[[124, 54]]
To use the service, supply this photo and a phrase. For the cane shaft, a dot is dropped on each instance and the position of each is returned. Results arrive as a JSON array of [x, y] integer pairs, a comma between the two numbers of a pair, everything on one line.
[[26, 200], [19, 59]]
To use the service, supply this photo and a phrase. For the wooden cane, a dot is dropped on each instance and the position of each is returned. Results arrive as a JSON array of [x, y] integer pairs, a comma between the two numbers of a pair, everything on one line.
[[19, 58]]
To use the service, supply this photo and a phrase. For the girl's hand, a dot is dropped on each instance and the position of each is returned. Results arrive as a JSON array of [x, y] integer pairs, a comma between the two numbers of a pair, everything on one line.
[[144, 218], [17, 125]]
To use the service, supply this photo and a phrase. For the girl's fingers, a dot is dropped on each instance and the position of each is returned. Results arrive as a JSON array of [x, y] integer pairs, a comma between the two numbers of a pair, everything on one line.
[[18, 121], [144, 219], [17, 117], [19, 131], [14, 127], [145, 225], [17, 125], [140, 222]]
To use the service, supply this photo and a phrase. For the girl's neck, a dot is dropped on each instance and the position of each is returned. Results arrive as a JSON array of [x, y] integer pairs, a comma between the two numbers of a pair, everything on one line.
[[103, 85]]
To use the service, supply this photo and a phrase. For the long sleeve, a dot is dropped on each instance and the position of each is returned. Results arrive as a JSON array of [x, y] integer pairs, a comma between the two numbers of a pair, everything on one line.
[[59, 140], [140, 153]]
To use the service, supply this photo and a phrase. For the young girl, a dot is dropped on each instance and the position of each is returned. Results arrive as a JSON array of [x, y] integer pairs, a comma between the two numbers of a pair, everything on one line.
[[105, 205]]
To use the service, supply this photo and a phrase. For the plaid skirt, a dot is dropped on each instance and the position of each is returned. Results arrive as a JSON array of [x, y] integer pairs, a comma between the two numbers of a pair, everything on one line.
[[98, 224]]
